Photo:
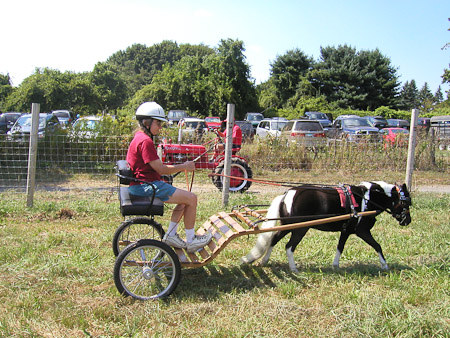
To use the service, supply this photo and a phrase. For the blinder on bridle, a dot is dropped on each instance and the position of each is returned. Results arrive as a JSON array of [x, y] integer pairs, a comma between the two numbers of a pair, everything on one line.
[[404, 202]]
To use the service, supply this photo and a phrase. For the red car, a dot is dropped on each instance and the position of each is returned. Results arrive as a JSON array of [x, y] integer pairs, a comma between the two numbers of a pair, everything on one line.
[[395, 136], [213, 122]]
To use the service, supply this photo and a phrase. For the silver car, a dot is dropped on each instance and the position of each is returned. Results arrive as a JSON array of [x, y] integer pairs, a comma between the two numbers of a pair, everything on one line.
[[270, 127], [308, 133]]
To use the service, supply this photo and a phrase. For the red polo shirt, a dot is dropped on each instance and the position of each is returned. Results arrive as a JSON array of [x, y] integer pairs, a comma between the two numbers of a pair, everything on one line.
[[140, 153]]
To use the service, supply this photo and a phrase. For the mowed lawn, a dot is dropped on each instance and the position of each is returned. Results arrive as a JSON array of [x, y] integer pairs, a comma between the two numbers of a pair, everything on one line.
[[56, 266]]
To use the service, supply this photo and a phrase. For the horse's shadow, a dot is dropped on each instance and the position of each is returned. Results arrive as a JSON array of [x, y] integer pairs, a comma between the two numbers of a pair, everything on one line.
[[211, 281]]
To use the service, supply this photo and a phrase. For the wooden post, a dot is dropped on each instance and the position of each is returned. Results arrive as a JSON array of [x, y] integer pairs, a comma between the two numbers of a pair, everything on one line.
[[32, 154], [228, 150], [411, 149]]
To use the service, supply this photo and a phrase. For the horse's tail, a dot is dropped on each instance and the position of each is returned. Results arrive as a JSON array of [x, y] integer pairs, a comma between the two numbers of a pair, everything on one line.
[[263, 241]]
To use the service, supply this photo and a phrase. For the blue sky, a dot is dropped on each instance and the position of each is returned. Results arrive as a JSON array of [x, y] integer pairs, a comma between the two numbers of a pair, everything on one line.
[[75, 35]]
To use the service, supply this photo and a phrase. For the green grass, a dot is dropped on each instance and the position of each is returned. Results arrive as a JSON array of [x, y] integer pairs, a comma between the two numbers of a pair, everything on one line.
[[56, 266]]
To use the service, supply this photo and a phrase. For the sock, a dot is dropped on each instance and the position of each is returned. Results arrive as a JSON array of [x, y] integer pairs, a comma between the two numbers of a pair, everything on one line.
[[190, 233], [172, 229]]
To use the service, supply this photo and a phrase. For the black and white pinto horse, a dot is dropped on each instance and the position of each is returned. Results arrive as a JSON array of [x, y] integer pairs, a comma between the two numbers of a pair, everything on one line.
[[312, 202]]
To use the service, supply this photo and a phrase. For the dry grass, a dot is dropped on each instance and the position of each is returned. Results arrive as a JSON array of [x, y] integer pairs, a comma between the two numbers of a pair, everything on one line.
[[57, 263]]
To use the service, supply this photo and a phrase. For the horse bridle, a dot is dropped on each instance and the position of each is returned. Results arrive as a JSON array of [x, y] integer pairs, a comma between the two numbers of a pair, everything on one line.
[[404, 202]]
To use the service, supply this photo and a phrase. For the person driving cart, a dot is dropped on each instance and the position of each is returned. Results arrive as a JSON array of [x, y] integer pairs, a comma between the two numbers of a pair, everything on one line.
[[146, 165], [236, 137]]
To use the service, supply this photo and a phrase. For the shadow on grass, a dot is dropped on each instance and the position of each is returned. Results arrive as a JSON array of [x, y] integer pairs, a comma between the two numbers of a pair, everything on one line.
[[211, 281]]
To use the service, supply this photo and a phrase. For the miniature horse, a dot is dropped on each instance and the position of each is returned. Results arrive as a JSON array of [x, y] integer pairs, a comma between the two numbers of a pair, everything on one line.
[[311, 202]]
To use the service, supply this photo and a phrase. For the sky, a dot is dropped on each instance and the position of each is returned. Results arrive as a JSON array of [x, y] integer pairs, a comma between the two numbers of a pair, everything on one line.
[[75, 35]]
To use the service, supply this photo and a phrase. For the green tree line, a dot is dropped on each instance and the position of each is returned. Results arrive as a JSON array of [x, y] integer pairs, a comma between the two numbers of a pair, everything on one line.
[[202, 80]]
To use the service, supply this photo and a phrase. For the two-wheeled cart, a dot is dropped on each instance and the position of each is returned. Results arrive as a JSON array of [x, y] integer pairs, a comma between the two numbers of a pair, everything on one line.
[[150, 269]]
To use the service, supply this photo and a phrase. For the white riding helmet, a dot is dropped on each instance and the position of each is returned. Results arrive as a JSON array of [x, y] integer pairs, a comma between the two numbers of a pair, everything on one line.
[[150, 110]]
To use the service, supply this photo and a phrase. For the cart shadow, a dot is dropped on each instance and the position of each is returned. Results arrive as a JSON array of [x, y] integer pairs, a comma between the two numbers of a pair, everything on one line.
[[211, 281]]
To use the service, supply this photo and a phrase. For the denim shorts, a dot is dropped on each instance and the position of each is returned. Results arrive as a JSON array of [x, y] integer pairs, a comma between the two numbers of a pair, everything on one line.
[[163, 190]]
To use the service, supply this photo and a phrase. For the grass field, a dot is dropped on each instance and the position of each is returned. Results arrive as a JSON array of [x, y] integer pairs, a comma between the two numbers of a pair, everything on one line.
[[56, 266]]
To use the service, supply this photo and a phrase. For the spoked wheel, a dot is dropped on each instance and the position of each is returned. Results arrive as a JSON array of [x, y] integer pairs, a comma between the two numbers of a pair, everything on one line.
[[239, 168], [147, 269], [134, 229]]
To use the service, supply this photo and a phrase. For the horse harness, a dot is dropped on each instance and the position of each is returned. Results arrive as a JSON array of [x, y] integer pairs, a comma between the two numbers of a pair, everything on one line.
[[348, 202]]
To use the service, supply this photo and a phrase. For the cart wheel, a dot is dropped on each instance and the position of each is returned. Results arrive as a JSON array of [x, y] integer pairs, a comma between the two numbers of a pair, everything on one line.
[[147, 269], [239, 168], [134, 229]]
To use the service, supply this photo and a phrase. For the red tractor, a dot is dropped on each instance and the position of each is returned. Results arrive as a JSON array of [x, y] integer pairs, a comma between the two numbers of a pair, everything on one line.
[[207, 158]]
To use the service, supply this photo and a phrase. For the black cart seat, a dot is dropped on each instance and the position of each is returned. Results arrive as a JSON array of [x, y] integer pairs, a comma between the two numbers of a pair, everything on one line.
[[132, 205], [138, 205]]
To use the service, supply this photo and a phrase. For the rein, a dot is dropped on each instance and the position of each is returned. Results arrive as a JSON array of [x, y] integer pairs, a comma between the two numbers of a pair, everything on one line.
[[276, 183], [307, 186]]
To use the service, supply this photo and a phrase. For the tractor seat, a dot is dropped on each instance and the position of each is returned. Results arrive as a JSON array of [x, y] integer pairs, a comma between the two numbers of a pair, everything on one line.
[[138, 205]]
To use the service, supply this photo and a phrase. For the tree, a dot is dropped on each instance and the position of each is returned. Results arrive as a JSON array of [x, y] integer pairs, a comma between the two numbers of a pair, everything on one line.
[[46, 86], [438, 96], [287, 71], [5, 89], [82, 97], [108, 86], [138, 64], [426, 98], [409, 96], [237, 71], [267, 95], [203, 84], [357, 80]]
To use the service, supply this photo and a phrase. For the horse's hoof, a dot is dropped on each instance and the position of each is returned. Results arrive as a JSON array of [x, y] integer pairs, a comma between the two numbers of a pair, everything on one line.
[[385, 267], [335, 266]]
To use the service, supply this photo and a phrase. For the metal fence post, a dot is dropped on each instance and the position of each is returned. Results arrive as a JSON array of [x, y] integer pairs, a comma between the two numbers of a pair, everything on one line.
[[32, 154], [228, 150], [411, 148]]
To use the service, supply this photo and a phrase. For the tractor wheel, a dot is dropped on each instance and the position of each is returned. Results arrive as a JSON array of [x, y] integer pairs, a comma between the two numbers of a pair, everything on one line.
[[239, 168]]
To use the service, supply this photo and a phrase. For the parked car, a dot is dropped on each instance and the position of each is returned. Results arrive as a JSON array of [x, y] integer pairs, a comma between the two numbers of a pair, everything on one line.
[[377, 121], [271, 127], [248, 132], [174, 116], [395, 136], [397, 123], [7, 120], [191, 129], [65, 117], [48, 125], [424, 123], [85, 127], [353, 129], [254, 118], [321, 117], [309, 133], [213, 122]]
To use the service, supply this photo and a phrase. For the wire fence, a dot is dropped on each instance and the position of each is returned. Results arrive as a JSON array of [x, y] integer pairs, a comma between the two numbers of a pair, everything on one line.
[[60, 158]]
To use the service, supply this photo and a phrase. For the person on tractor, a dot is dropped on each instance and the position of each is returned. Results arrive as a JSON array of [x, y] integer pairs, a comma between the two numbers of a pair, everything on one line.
[[236, 137], [146, 165]]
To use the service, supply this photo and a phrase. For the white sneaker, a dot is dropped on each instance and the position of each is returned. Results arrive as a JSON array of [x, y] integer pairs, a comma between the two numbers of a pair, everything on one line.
[[174, 241], [198, 242]]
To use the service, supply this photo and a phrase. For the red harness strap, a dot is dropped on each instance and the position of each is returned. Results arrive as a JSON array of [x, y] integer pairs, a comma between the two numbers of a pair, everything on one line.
[[345, 192]]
